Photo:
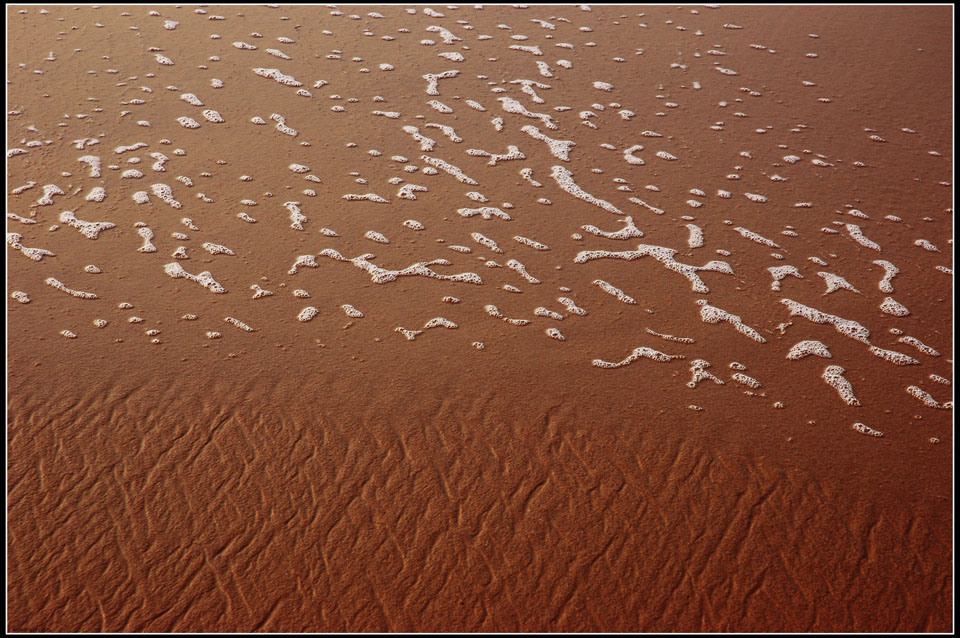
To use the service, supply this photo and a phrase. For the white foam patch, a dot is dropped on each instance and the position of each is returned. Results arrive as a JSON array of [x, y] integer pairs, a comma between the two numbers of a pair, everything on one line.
[[714, 315], [486, 212], [564, 179], [486, 241], [846, 327], [493, 311], [513, 153], [638, 353], [368, 197], [217, 249], [866, 429], [893, 356], [836, 282], [515, 265], [927, 399], [36, 254], [833, 375], [307, 314], [238, 324], [90, 230], [426, 143], [530, 242], [571, 306], [49, 190], [20, 296], [165, 194], [610, 289], [50, 281], [893, 307], [558, 148], [781, 272], [205, 278], [627, 232], [919, 345], [803, 349], [752, 236], [665, 256], [422, 269], [698, 368], [695, 239], [511, 105], [448, 168], [857, 235]]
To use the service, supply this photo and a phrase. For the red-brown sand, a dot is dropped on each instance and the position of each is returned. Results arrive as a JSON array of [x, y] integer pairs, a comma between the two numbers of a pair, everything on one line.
[[333, 475]]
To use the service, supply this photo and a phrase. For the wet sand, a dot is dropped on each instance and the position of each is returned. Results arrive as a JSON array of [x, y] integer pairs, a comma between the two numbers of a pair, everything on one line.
[[333, 475]]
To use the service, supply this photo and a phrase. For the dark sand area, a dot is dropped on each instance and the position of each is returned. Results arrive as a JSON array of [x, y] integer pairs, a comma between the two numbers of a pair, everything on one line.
[[324, 473]]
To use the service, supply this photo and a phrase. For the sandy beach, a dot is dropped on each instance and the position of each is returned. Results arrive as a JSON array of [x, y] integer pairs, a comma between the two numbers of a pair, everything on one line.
[[459, 319]]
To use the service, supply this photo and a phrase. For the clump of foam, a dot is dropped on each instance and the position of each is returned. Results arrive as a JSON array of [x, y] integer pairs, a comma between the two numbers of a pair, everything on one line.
[[866, 429], [927, 399], [146, 234], [638, 353], [36, 254], [564, 179], [893, 356], [239, 324], [486, 212], [571, 306], [486, 241], [919, 345], [449, 169], [373, 235], [857, 235], [20, 296], [806, 348], [493, 311], [836, 282], [846, 327], [513, 153], [205, 278], [781, 272], [217, 249], [558, 148], [665, 256], [893, 307], [698, 368], [613, 290], [714, 315], [50, 281], [889, 272], [530, 242], [628, 231], [670, 337], [511, 105], [833, 375], [90, 230], [749, 234], [165, 193], [352, 312], [382, 275], [515, 265], [307, 314]]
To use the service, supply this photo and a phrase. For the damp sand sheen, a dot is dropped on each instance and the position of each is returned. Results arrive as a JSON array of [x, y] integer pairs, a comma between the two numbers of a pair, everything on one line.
[[479, 318]]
